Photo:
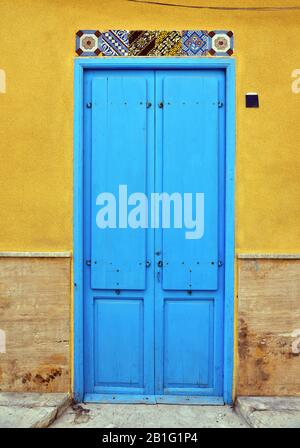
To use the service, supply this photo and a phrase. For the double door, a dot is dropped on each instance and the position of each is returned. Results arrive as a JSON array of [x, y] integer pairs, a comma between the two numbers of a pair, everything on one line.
[[153, 234]]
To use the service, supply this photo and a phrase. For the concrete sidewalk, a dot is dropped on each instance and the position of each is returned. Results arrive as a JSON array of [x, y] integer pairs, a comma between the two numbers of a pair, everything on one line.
[[149, 416], [31, 410], [34, 410], [270, 412]]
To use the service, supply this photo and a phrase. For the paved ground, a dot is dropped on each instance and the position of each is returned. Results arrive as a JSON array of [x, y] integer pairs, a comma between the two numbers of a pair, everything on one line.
[[270, 412], [33, 410], [30, 410], [149, 416]]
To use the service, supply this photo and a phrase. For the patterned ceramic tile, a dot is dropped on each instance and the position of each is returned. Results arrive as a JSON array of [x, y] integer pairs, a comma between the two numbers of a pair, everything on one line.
[[167, 43], [221, 43], [154, 43], [114, 43], [87, 42], [141, 43], [195, 43]]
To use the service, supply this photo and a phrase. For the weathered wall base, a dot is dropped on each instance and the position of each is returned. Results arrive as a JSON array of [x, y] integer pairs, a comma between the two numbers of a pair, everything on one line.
[[269, 327], [35, 316]]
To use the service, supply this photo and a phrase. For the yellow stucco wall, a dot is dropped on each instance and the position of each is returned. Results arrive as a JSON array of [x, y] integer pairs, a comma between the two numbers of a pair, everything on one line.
[[36, 132]]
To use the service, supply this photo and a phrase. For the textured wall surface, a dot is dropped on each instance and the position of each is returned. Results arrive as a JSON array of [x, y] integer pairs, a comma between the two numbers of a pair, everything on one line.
[[34, 314], [269, 327], [36, 131]]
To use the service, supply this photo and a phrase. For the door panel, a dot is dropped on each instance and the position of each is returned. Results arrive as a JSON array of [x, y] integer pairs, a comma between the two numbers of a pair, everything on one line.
[[188, 343], [119, 289], [119, 328], [119, 157], [190, 166], [189, 286]]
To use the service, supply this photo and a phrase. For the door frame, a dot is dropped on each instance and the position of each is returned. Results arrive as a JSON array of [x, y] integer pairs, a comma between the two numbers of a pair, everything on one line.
[[144, 63]]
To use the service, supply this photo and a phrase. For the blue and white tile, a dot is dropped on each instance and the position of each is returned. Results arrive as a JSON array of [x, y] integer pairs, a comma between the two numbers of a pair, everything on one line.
[[114, 43], [195, 42]]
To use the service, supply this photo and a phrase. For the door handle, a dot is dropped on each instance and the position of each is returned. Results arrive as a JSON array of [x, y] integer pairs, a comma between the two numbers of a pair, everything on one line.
[[160, 264], [148, 264]]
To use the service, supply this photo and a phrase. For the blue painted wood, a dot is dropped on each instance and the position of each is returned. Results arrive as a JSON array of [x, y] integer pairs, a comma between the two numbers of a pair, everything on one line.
[[118, 328], [190, 400], [89, 68], [78, 236], [118, 331], [152, 63], [119, 158], [120, 398], [154, 399], [189, 148], [230, 234], [189, 344]]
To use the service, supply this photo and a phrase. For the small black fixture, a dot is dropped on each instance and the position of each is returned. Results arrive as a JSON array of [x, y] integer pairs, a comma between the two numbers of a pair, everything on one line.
[[252, 100]]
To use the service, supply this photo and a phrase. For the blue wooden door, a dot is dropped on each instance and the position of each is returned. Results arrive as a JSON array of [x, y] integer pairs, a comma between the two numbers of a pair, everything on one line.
[[189, 283], [119, 288], [153, 300]]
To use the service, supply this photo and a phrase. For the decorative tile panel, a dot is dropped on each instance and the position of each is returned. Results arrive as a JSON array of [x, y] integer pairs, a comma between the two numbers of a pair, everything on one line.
[[167, 43], [154, 43], [221, 43], [114, 43], [87, 42], [141, 43], [195, 43]]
